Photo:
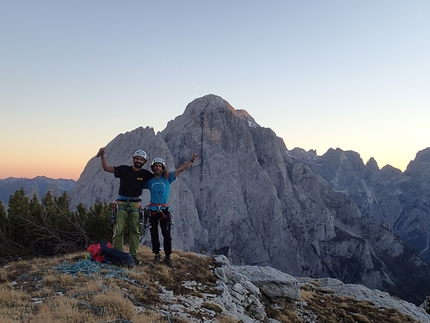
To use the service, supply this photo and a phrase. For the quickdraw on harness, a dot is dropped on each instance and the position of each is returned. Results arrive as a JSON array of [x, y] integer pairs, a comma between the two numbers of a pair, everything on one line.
[[159, 214]]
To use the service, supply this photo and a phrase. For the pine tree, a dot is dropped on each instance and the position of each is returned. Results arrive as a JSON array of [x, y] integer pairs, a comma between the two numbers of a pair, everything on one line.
[[97, 223], [64, 233], [18, 214], [4, 221], [4, 234], [49, 209], [35, 210], [34, 228]]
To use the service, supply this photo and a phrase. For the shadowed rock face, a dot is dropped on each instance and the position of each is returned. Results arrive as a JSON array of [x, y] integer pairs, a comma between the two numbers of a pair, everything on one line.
[[247, 198], [400, 200]]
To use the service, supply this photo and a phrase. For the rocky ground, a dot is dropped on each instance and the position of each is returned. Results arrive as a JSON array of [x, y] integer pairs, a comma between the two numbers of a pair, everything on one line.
[[198, 289]]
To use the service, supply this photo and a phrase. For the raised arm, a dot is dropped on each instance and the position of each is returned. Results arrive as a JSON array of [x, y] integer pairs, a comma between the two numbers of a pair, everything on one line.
[[106, 167], [185, 165]]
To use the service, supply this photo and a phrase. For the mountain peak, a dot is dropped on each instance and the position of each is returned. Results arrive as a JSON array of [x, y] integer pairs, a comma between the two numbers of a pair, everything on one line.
[[214, 102]]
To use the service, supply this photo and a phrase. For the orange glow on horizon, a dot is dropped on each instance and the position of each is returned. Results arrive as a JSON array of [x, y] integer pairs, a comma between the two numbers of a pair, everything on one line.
[[54, 171], [74, 170]]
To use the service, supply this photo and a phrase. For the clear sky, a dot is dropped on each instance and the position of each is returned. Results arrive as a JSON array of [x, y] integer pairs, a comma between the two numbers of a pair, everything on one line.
[[342, 74]]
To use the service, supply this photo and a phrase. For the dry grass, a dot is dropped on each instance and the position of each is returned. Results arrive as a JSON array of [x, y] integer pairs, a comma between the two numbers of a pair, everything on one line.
[[35, 291], [332, 308]]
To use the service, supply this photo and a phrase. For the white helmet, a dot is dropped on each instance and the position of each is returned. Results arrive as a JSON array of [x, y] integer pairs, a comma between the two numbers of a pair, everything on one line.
[[140, 153], [158, 160]]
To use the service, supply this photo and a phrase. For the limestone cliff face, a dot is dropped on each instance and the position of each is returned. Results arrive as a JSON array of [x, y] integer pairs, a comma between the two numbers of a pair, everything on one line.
[[400, 200], [413, 222], [247, 198]]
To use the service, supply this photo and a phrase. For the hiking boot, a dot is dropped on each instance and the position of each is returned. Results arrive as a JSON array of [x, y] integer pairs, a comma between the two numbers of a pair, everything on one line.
[[168, 261], [137, 261], [157, 259]]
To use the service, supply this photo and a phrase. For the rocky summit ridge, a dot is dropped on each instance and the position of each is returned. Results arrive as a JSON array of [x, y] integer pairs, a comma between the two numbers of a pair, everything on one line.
[[399, 200], [248, 198]]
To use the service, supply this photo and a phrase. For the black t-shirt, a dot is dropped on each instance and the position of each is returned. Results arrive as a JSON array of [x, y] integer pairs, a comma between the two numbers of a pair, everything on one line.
[[131, 181]]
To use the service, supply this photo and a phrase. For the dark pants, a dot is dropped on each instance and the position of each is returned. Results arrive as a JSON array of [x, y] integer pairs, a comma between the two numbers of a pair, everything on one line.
[[165, 224]]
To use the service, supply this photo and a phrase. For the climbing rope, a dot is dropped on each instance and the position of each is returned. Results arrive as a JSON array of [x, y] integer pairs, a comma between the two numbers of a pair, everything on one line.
[[92, 269], [36, 279]]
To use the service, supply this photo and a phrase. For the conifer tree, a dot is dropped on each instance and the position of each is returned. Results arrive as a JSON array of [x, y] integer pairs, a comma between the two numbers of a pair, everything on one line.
[[18, 214], [49, 208], [64, 220], [80, 214], [35, 210], [4, 221], [33, 228], [4, 234], [97, 223], [62, 232]]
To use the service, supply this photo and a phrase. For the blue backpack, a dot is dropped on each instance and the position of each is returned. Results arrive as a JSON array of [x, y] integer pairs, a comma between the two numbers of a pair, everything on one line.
[[116, 257]]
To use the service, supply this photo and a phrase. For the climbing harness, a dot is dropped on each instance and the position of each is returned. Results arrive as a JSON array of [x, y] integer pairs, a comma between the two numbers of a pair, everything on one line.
[[124, 204], [159, 213], [164, 211]]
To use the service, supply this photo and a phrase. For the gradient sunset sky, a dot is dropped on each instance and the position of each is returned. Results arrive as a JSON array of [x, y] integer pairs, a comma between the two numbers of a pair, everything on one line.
[[353, 75]]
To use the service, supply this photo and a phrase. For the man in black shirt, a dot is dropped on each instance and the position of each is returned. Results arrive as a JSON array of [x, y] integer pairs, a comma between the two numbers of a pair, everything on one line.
[[131, 179]]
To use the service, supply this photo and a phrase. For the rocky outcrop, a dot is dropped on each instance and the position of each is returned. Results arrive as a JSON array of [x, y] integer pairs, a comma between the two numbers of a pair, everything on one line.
[[377, 298], [248, 293], [399, 200], [246, 197], [242, 289]]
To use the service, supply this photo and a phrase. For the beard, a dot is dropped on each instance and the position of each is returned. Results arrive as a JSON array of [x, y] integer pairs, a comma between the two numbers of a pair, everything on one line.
[[138, 165], [158, 172]]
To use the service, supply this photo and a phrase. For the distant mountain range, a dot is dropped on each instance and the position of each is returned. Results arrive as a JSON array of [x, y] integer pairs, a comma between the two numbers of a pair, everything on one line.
[[38, 185]]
